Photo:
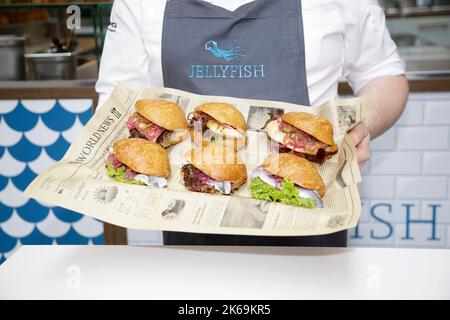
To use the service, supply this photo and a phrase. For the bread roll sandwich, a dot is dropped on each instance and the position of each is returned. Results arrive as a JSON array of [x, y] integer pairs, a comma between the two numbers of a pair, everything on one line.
[[160, 121], [305, 134], [288, 179], [138, 161], [218, 123], [213, 169]]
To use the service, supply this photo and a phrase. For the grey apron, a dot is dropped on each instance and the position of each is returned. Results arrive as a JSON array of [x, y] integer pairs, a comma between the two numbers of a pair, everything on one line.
[[254, 52]]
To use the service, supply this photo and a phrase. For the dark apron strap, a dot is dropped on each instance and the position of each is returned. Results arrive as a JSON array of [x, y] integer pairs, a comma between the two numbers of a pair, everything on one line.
[[254, 52], [338, 239]]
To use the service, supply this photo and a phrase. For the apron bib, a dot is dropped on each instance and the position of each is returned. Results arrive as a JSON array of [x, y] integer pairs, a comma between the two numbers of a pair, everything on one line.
[[254, 52]]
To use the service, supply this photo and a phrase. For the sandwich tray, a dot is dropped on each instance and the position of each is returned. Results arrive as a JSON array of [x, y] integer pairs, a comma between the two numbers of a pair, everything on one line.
[[79, 181]]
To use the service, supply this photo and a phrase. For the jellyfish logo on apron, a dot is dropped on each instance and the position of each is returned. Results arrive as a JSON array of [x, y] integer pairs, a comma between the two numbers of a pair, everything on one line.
[[232, 53]]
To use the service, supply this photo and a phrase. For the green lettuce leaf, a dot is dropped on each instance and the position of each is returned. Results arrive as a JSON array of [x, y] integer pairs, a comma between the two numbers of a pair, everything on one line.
[[287, 194], [118, 174]]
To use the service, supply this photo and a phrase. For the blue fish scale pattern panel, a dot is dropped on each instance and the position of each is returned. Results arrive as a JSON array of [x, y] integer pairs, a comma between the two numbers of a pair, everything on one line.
[[34, 134]]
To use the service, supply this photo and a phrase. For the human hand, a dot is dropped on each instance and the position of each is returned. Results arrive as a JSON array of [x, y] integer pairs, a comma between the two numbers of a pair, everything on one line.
[[360, 136]]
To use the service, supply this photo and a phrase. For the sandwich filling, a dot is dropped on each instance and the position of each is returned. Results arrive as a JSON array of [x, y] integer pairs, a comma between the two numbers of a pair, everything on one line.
[[289, 138], [122, 173], [141, 127], [196, 180], [268, 187], [210, 128]]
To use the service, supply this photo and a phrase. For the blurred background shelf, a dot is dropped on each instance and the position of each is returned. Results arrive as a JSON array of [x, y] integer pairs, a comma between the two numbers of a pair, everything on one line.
[[43, 21]]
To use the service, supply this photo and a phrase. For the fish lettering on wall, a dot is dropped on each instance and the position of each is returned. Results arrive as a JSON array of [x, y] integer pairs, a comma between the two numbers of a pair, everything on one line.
[[34, 134], [400, 224]]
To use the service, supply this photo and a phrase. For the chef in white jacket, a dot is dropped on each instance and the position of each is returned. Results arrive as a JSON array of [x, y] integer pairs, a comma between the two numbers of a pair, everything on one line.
[[286, 50]]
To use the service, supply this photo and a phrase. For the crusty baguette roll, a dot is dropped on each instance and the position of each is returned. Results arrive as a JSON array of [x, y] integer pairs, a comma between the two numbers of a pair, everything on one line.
[[318, 127], [225, 113], [297, 169], [165, 114], [219, 163], [143, 156]]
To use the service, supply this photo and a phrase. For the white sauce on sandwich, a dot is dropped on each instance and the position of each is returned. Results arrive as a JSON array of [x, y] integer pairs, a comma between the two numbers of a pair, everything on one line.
[[158, 182], [219, 129]]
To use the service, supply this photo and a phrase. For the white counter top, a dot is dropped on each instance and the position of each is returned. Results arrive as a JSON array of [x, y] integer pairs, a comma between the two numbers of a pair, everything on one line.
[[97, 272]]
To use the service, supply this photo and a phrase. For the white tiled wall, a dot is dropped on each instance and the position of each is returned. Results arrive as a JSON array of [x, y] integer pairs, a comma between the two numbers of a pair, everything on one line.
[[406, 185]]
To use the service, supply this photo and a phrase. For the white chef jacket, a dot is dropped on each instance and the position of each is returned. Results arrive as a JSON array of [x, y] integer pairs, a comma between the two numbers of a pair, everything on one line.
[[343, 39]]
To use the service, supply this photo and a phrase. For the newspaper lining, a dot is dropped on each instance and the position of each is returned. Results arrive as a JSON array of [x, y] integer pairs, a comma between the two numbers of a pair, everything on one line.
[[79, 182]]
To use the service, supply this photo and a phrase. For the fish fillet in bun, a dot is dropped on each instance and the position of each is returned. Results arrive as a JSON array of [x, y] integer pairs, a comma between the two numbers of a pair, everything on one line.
[[218, 123], [138, 161], [213, 169], [305, 134], [157, 120], [288, 179]]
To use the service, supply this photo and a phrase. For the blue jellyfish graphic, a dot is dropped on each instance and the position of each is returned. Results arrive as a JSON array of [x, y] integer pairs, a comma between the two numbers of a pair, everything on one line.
[[232, 53]]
